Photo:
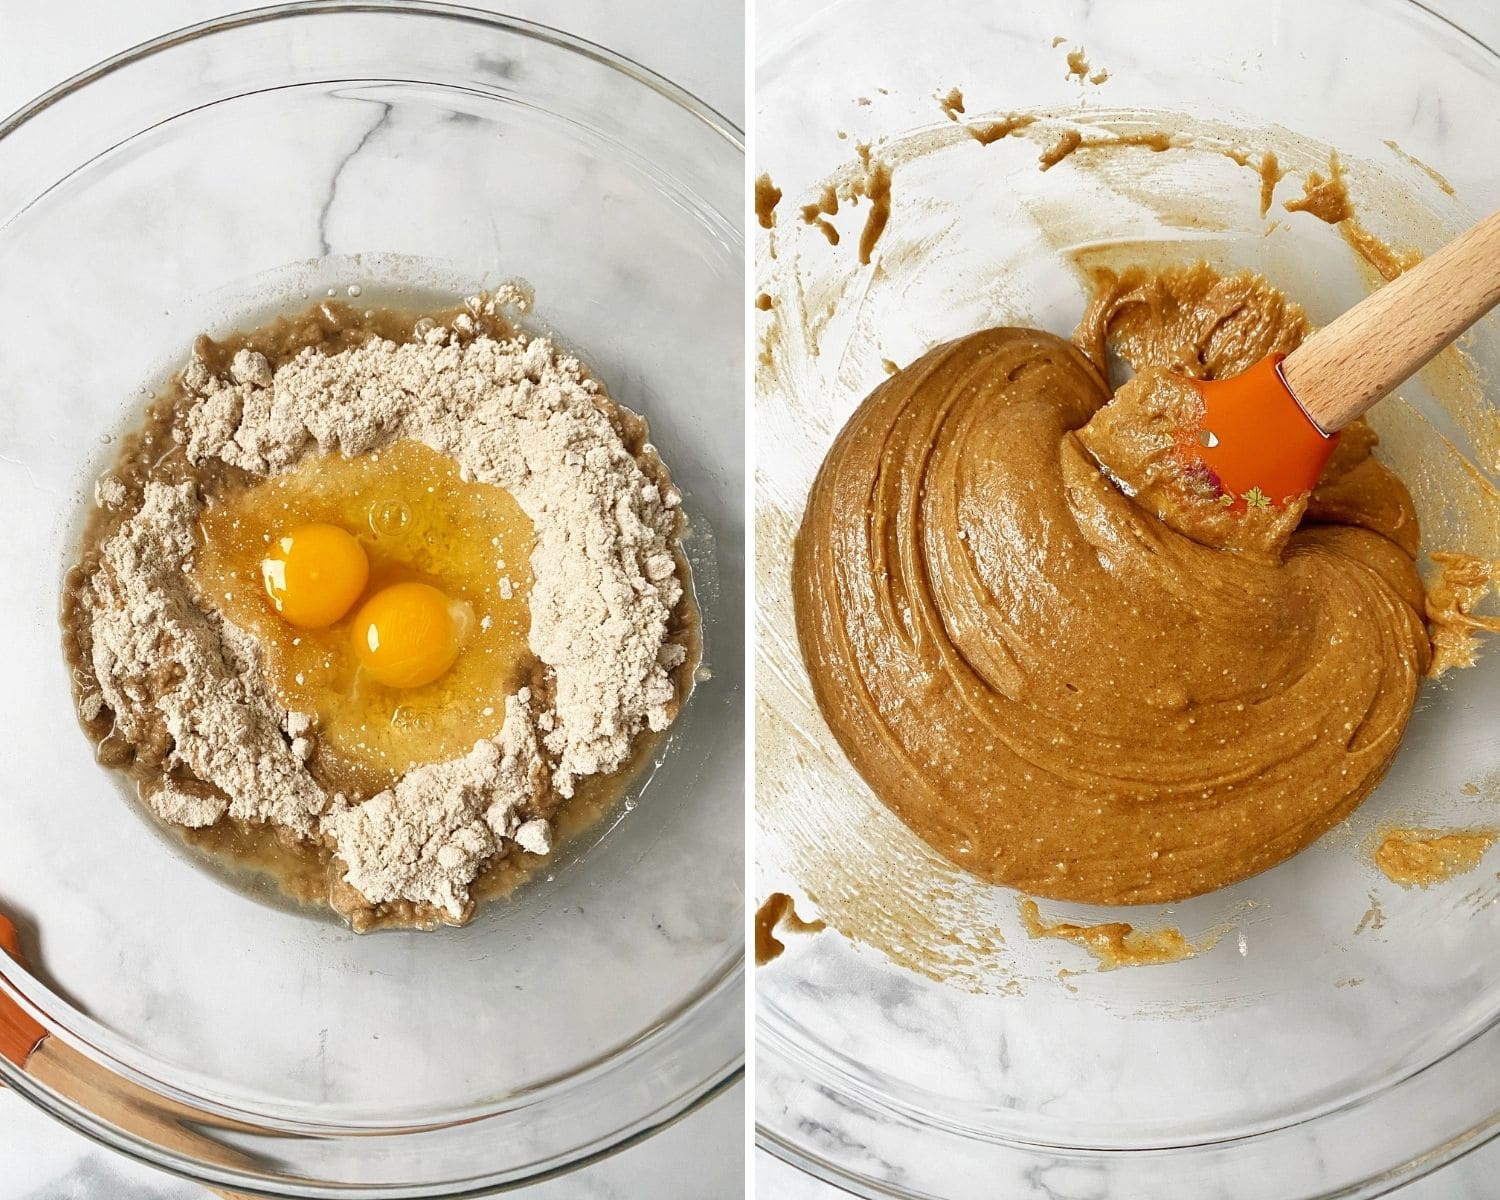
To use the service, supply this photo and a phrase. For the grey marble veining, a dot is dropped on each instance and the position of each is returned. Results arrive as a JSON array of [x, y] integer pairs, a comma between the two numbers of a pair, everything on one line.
[[1470, 1178], [383, 116]]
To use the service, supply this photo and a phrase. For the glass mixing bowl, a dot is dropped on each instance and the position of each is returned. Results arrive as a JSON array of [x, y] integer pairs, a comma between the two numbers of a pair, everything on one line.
[[416, 152], [1341, 1034]]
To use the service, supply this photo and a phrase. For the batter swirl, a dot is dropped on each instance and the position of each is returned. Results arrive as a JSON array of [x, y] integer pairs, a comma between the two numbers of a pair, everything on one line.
[[1049, 685]]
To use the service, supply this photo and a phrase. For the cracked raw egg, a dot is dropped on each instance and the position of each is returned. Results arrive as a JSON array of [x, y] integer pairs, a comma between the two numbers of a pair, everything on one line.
[[408, 634], [407, 659], [314, 574]]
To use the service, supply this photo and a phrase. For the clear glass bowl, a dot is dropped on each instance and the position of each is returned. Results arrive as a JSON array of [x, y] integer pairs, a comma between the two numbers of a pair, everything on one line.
[[1341, 1035], [418, 152]]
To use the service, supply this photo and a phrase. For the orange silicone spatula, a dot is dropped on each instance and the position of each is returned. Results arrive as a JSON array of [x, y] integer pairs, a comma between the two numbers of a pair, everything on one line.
[[19, 1034], [1273, 427], [108, 1096]]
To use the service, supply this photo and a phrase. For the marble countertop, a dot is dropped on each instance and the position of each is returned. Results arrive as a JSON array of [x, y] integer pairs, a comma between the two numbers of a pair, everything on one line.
[[700, 47], [1471, 1178]]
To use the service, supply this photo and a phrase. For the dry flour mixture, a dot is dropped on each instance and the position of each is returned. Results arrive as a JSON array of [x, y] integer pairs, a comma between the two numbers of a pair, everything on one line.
[[181, 694]]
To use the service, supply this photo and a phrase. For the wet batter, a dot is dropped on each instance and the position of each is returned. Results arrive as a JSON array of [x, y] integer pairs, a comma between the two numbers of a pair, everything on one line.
[[1054, 688]]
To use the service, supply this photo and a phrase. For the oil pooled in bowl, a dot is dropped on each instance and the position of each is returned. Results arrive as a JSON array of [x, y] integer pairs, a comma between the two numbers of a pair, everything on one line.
[[417, 522]]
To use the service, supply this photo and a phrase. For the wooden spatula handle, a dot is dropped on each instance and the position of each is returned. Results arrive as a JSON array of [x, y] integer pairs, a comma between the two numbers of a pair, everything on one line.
[[1343, 368]]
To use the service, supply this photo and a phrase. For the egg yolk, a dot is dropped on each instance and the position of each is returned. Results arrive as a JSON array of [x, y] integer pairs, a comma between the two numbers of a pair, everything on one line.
[[314, 574], [408, 634], [418, 521]]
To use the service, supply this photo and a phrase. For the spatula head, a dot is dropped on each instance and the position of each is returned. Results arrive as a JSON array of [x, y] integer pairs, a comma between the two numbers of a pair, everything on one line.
[[1229, 463], [1263, 450], [19, 1034]]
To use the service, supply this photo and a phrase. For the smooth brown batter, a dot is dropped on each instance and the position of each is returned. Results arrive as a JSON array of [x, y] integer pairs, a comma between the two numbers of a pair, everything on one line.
[[1422, 857], [989, 132], [1434, 175], [1114, 943], [767, 197], [1078, 68], [1327, 198], [877, 186], [952, 104], [779, 910], [1067, 142], [1071, 140], [1049, 685], [1461, 583], [1193, 323], [817, 213]]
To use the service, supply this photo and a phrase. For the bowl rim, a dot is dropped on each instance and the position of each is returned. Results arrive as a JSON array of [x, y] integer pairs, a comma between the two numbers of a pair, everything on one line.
[[807, 1158], [244, 18], [728, 987]]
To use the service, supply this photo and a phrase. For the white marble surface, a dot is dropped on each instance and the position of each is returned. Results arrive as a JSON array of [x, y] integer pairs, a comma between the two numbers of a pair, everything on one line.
[[699, 46], [700, 1157], [1471, 1178]]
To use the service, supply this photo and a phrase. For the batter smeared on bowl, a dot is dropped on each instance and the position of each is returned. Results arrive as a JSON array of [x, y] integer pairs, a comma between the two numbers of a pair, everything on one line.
[[379, 599], [1051, 686]]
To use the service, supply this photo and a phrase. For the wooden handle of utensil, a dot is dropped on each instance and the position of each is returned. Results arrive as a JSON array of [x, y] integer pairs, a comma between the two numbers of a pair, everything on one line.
[[1345, 367]]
